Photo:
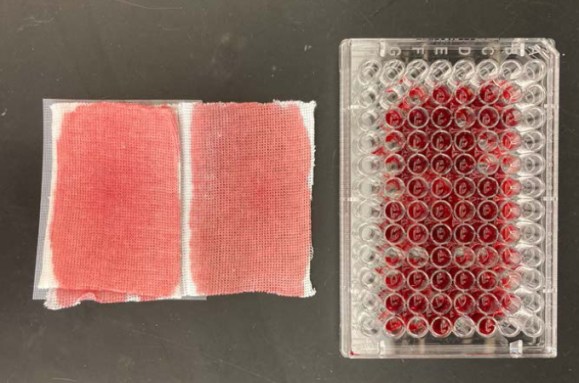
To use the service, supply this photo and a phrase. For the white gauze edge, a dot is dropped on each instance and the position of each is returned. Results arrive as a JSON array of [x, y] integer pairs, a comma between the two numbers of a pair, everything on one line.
[[47, 278], [307, 113], [185, 126]]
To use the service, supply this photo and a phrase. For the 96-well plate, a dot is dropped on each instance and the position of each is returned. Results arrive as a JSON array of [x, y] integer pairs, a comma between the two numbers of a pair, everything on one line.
[[449, 197]]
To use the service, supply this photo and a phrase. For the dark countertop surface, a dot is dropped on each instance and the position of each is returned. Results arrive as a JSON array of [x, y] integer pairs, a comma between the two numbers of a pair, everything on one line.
[[235, 51]]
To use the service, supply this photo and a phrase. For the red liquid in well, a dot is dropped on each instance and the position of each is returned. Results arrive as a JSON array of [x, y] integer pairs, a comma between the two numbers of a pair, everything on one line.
[[459, 160]]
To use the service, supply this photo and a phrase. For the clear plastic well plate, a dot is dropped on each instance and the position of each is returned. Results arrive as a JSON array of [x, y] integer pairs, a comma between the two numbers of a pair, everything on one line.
[[448, 197]]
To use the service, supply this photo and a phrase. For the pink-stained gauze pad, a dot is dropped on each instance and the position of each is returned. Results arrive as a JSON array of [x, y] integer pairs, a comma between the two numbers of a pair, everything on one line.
[[251, 171], [113, 230]]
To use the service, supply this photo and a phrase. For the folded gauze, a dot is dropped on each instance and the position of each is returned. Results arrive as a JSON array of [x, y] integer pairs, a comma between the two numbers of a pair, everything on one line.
[[165, 201], [113, 228]]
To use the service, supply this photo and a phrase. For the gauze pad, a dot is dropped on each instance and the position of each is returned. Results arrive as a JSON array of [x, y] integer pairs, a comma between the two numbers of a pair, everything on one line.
[[251, 172], [113, 224]]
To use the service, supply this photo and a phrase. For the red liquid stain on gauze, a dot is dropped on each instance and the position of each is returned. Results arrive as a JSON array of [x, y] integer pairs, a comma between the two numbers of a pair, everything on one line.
[[116, 204], [250, 208]]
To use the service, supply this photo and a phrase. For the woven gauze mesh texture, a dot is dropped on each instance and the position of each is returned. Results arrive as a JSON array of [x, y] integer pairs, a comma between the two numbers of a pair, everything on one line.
[[250, 204], [114, 232]]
